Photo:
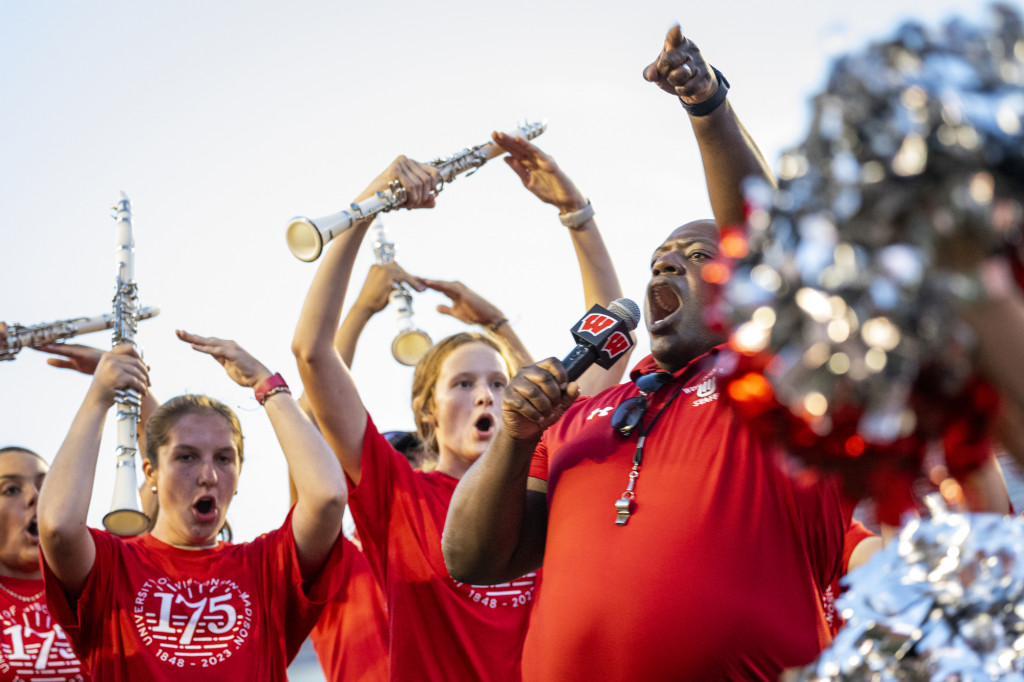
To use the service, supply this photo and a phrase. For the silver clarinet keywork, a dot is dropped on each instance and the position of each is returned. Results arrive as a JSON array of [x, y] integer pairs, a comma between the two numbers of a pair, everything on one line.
[[19, 336], [125, 516], [411, 343], [307, 237]]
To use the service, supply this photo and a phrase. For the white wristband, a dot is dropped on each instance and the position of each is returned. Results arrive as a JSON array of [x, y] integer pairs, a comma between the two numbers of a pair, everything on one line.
[[576, 218]]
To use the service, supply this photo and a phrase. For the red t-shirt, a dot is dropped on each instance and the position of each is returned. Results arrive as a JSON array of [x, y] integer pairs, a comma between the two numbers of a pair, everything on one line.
[[351, 637], [33, 648], [151, 611], [720, 571], [856, 532], [439, 629]]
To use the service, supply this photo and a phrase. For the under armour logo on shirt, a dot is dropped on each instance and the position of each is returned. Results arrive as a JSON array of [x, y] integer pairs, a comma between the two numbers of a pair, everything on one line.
[[601, 412]]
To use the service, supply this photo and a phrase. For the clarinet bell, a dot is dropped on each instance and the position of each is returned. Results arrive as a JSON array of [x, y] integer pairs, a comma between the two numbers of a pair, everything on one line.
[[304, 239], [409, 346], [126, 516], [126, 522], [411, 343], [307, 237]]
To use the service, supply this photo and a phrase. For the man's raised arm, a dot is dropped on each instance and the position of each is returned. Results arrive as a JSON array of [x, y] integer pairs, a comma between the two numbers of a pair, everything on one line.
[[728, 152]]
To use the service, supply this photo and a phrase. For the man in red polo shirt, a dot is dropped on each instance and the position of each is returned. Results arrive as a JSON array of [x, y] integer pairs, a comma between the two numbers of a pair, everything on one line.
[[674, 543]]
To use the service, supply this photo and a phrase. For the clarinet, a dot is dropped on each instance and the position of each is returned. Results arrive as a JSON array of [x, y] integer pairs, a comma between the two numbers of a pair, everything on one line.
[[125, 516], [410, 343], [307, 237], [20, 336]]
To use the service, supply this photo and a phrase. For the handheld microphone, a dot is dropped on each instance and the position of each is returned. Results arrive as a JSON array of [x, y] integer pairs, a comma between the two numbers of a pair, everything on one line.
[[602, 336]]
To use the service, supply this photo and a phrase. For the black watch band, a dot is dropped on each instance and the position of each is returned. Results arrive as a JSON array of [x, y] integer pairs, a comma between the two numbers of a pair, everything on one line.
[[710, 104]]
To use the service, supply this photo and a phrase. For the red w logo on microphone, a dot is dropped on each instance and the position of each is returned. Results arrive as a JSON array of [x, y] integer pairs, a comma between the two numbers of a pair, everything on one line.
[[596, 323], [600, 336], [616, 344]]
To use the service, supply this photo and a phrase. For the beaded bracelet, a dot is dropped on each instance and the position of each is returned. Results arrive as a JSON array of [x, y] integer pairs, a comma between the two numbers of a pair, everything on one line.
[[270, 386]]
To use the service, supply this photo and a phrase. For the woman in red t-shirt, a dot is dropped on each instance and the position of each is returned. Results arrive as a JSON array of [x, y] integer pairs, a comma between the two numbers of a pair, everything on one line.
[[32, 645], [439, 629], [177, 602]]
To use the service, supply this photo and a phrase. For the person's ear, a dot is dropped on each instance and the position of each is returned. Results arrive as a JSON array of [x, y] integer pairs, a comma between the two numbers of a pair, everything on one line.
[[150, 473]]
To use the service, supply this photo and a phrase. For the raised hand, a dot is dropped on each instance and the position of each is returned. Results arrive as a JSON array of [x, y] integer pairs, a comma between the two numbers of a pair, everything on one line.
[[379, 284], [467, 305], [80, 358], [536, 398], [540, 174], [681, 69], [244, 369], [419, 179], [119, 368]]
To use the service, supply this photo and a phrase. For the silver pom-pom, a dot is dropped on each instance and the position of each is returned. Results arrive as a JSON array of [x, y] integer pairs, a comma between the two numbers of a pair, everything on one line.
[[944, 601], [911, 176]]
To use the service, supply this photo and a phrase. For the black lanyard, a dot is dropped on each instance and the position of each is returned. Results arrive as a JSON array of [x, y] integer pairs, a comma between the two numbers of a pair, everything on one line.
[[625, 505], [638, 456]]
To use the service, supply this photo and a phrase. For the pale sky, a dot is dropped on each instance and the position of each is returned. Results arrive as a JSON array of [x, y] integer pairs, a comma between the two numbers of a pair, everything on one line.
[[222, 120]]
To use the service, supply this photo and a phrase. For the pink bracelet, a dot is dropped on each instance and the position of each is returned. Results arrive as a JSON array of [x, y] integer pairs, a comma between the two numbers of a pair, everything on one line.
[[269, 386]]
